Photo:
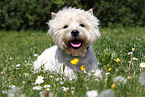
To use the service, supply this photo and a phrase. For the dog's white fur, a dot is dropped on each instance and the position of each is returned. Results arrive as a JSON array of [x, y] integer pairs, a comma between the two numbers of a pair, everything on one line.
[[61, 26]]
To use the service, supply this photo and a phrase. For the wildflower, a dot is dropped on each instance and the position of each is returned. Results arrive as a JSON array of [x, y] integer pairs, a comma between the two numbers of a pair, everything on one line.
[[130, 53], [40, 77], [39, 80], [129, 77], [65, 89], [133, 49], [47, 89], [142, 79], [74, 61], [25, 74], [109, 69], [134, 58], [17, 65], [17, 68], [72, 87], [129, 62], [71, 93], [107, 74], [82, 67], [35, 55], [142, 65], [107, 93], [119, 79], [37, 87], [117, 60], [12, 86], [25, 61], [57, 79], [46, 86], [87, 88], [2, 73], [113, 85], [61, 83], [4, 92], [92, 93], [23, 82]]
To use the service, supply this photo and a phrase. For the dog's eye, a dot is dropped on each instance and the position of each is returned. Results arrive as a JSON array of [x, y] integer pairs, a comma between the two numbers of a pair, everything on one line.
[[66, 26], [82, 25]]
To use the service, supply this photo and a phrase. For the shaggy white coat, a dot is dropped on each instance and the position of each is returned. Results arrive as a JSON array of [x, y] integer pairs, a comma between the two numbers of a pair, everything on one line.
[[61, 26]]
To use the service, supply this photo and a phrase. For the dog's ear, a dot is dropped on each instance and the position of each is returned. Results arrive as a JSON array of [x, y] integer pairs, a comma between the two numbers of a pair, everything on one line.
[[53, 15], [90, 11]]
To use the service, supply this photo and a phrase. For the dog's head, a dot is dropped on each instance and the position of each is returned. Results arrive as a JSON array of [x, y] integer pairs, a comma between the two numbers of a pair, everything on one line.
[[74, 30]]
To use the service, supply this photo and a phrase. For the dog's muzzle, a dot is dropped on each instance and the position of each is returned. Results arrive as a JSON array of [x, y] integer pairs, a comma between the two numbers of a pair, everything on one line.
[[75, 43]]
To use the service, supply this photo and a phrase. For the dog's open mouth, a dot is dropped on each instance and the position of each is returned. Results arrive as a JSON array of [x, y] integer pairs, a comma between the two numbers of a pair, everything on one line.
[[75, 44]]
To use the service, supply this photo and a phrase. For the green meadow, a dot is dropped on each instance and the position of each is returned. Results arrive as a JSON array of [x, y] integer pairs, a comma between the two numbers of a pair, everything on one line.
[[119, 52]]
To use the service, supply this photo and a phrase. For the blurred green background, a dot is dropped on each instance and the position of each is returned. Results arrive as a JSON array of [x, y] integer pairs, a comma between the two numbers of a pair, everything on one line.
[[33, 14]]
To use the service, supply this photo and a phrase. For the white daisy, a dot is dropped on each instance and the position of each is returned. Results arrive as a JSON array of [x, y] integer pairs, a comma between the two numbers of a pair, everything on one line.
[[61, 83], [12, 86], [46, 86], [4, 92], [35, 55], [65, 89], [26, 74], [47, 89], [17, 65], [92, 93], [142, 65], [37, 87], [130, 53], [134, 58], [39, 81]]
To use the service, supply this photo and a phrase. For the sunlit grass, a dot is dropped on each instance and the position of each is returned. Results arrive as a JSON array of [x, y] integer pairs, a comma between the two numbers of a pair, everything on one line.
[[116, 51]]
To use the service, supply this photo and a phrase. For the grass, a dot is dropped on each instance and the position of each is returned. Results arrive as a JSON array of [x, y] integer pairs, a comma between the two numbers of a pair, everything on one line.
[[20, 47]]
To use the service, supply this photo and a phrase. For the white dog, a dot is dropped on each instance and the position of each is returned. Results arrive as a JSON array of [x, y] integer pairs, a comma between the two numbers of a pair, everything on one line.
[[73, 31]]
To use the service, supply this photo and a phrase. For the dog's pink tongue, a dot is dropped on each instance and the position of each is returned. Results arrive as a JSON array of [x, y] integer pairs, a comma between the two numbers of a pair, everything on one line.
[[76, 45]]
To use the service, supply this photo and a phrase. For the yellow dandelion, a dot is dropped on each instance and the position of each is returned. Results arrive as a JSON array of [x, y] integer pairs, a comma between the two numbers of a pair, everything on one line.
[[117, 60], [74, 61], [144, 56], [133, 49], [82, 67], [113, 85], [109, 69]]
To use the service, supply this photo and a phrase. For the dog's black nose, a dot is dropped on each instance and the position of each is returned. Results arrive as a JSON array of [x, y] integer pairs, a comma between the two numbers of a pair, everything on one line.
[[75, 33]]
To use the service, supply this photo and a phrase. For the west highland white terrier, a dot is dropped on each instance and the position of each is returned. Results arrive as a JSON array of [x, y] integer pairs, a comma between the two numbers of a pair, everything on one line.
[[73, 31]]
